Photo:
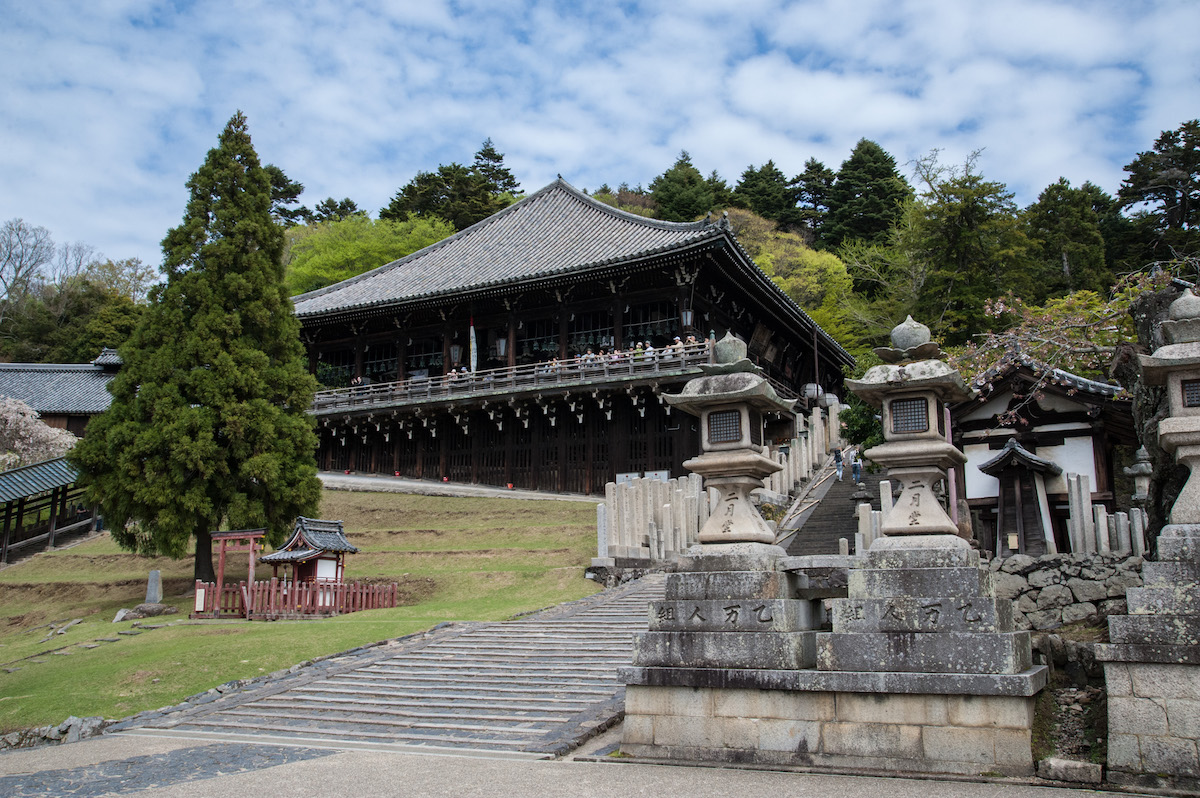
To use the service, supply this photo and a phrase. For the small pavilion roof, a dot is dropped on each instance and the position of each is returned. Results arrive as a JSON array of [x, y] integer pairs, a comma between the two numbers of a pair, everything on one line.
[[37, 478], [1014, 453], [311, 537]]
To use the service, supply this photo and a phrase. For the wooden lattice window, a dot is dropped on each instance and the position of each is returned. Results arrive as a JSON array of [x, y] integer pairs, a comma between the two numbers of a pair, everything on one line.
[[910, 415]]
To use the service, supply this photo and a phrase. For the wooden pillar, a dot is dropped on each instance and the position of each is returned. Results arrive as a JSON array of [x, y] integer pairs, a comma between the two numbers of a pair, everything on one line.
[[618, 323], [55, 498], [253, 557], [512, 340], [401, 355], [8, 514], [562, 331], [221, 567]]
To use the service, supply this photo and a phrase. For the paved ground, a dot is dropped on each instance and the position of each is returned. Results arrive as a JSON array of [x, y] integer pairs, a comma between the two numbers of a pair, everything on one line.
[[178, 768], [338, 481], [532, 687]]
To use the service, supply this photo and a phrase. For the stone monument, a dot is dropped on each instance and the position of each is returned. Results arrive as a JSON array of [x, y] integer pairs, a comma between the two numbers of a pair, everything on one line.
[[1152, 664]]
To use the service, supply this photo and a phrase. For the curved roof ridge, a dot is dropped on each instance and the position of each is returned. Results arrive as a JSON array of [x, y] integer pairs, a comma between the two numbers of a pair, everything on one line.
[[661, 224], [556, 229]]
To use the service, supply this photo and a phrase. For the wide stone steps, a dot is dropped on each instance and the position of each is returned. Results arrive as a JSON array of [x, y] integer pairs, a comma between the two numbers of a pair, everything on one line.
[[538, 685]]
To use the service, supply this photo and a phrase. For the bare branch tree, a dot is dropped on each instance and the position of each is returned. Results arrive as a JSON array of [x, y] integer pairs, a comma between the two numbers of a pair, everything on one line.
[[25, 251]]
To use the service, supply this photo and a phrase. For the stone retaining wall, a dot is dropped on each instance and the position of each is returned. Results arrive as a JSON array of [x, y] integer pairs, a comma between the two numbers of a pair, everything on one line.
[[1057, 589]]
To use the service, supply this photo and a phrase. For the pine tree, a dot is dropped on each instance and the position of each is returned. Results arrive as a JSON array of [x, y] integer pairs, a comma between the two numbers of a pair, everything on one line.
[[811, 190], [866, 198], [489, 164], [681, 193], [1064, 228], [765, 191], [208, 426]]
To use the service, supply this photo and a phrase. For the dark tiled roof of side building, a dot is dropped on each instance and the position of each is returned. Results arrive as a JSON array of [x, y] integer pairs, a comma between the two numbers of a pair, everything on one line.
[[310, 537], [553, 231], [61, 388]]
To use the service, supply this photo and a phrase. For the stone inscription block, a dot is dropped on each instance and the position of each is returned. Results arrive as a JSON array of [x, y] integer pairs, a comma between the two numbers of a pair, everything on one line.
[[731, 615], [1170, 574], [759, 650], [919, 582], [718, 585], [964, 614], [907, 652]]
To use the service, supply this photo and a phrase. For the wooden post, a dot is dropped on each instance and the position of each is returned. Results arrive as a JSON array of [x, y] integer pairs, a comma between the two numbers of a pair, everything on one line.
[[221, 566], [8, 512], [253, 557]]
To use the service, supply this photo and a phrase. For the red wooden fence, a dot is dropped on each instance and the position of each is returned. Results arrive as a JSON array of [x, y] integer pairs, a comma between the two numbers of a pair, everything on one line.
[[282, 599]]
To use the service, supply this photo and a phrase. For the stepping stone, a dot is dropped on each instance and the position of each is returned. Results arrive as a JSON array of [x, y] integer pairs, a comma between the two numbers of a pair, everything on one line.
[[88, 645], [108, 639], [129, 632], [38, 661], [61, 653], [11, 670]]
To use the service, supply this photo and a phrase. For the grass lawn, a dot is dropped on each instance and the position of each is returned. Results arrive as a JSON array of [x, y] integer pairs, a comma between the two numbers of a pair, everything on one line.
[[454, 558]]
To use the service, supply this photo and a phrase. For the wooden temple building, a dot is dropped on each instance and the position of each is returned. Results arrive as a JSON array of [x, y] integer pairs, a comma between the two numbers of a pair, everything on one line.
[[1028, 428], [489, 357]]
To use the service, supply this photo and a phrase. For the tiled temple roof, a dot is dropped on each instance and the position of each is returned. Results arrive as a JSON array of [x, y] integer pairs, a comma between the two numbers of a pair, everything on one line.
[[1054, 376], [554, 231], [58, 388]]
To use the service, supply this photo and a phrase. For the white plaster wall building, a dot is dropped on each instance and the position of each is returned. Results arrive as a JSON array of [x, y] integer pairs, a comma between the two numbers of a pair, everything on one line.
[[1026, 430]]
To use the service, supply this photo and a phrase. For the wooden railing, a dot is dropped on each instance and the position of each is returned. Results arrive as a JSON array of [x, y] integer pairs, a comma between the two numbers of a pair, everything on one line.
[[278, 598], [513, 379]]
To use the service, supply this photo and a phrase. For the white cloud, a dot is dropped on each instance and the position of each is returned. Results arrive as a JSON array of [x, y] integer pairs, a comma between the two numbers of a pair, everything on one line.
[[110, 106]]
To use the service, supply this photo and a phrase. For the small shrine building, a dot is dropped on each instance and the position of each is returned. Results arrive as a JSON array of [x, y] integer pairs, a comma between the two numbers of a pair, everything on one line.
[[316, 552], [1056, 423]]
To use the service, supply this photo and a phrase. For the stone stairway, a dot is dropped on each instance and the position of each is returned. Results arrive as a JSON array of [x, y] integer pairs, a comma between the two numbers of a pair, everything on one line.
[[817, 530], [533, 687]]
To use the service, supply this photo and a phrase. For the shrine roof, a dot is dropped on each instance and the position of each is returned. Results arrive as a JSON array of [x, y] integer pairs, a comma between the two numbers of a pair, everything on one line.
[[1014, 453], [310, 537], [1014, 361], [556, 230]]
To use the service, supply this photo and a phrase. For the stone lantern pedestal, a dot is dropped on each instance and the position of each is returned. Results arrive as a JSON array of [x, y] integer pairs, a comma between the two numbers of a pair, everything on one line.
[[1152, 664]]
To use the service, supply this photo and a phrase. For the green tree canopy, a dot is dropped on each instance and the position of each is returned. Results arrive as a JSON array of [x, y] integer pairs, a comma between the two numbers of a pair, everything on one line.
[[455, 193], [765, 191], [811, 190], [866, 198], [285, 197], [966, 232], [331, 210], [1064, 230], [1166, 180], [323, 254], [681, 193], [208, 426], [817, 281], [69, 322]]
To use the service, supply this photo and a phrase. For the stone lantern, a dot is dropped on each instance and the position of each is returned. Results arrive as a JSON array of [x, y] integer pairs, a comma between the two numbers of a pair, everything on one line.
[[1152, 658], [1177, 365], [910, 387], [730, 401]]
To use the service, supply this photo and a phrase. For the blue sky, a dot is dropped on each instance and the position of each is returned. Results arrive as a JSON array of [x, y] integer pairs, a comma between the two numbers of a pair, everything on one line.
[[109, 105]]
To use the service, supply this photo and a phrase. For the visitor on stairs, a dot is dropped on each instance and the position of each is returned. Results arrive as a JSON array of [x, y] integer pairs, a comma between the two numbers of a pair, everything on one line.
[[855, 464], [838, 461]]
